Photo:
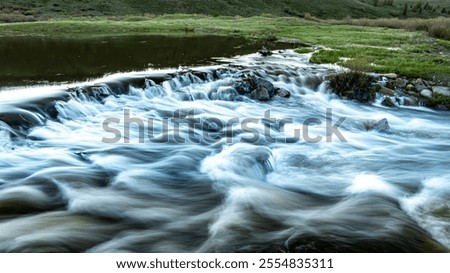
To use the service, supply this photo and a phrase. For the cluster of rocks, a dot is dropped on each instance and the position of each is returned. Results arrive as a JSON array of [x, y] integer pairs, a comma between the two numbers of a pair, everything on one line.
[[412, 92], [394, 90], [258, 88]]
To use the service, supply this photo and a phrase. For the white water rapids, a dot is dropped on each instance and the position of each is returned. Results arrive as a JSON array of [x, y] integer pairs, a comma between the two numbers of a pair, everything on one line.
[[65, 186]]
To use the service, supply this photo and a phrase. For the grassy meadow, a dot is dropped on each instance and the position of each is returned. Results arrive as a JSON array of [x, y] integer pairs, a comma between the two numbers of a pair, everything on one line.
[[408, 37], [376, 49]]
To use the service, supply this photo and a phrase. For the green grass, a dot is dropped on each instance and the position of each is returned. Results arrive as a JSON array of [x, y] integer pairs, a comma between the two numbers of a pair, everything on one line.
[[409, 53], [439, 100]]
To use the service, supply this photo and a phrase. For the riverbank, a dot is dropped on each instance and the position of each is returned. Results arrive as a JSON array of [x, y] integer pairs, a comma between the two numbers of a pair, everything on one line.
[[371, 49]]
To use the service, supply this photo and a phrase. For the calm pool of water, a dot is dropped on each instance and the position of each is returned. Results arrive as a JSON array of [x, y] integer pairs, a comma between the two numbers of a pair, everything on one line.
[[34, 60]]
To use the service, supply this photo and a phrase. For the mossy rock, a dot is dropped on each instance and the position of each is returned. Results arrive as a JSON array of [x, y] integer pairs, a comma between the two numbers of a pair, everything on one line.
[[439, 101], [354, 85], [304, 50], [388, 102]]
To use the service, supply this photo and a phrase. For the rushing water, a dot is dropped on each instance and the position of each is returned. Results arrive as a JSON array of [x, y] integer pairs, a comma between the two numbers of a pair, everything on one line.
[[210, 182]]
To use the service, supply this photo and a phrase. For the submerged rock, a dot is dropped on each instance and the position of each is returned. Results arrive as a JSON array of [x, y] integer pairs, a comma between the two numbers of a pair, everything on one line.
[[410, 101], [264, 52], [282, 93], [225, 93], [379, 125], [388, 102], [255, 87], [386, 91], [260, 94]]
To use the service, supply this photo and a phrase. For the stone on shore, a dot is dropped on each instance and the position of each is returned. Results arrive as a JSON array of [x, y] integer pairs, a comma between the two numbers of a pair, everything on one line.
[[390, 76], [410, 87], [426, 93], [420, 87], [386, 91], [442, 90], [353, 85]]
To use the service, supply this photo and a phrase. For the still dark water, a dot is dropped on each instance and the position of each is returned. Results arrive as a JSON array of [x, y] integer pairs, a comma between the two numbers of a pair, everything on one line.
[[26, 61]]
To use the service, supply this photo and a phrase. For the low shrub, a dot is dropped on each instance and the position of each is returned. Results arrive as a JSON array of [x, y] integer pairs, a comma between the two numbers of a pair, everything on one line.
[[353, 85]]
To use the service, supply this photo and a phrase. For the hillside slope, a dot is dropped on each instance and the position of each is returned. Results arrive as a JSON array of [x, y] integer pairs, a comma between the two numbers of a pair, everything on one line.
[[28, 10]]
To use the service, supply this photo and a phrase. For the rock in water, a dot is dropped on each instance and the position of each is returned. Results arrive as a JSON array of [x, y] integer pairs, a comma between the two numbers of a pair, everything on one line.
[[242, 87], [264, 91], [255, 87], [388, 102], [410, 101], [386, 91], [380, 125], [266, 85], [282, 93], [260, 94], [264, 52]]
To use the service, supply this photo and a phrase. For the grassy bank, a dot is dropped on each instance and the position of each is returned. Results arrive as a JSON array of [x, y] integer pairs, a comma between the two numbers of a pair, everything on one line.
[[436, 27], [409, 53]]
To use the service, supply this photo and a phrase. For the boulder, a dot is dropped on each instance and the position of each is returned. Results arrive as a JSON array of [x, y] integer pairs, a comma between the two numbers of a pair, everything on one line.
[[420, 87], [312, 82], [282, 93], [226, 93], [418, 81], [264, 52], [353, 85], [400, 83], [390, 76], [377, 125], [242, 87], [388, 102], [267, 86], [255, 88], [442, 90], [260, 94], [410, 101], [410, 87], [386, 91], [426, 93]]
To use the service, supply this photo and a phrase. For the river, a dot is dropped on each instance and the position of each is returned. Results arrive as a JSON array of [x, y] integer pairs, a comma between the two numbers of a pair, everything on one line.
[[174, 160]]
